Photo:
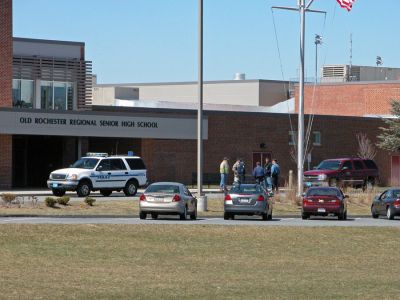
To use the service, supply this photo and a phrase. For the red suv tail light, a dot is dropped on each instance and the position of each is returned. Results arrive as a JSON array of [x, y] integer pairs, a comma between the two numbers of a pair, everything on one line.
[[336, 201], [305, 201], [142, 197], [396, 203], [176, 198], [260, 198], [228, 197]]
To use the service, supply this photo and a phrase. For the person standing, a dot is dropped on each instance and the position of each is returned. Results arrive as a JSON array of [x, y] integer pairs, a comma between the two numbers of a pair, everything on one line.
[[224, 171], [267, 171], [236, 171], [258, 173], [241, 169], [275, 171]]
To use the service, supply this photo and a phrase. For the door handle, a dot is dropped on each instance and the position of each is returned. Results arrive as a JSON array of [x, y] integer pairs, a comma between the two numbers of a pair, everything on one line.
[[109, 173], [126, 173]]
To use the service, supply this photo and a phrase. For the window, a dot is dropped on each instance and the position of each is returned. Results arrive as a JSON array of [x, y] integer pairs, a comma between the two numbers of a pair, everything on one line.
[[329, 165], [56, 95], [347, 165], [164, 189], [105, 165], [117, 165], [358, 165], [23, 93], [136, 164], [85, 163], [292, 137], [370, 164], [317, 138]]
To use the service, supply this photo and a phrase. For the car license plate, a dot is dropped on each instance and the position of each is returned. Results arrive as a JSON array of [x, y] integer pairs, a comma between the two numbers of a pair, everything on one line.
[[55, 185], [244, 200], [321, 210]]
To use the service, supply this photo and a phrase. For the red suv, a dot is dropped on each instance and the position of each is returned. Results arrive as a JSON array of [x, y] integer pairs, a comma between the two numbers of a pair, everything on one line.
[[356, 172]]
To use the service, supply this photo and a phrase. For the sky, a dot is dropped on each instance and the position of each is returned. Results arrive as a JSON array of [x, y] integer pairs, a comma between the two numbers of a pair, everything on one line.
[[156, 40]]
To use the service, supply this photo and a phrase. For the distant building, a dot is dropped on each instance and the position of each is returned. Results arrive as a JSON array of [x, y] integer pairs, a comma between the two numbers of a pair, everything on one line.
[[225, 92]]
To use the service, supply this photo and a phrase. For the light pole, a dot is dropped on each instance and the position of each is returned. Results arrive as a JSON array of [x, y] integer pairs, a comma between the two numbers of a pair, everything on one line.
[[318, 41]]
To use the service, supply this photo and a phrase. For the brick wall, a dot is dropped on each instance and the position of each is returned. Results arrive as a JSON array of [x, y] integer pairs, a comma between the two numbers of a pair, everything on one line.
[[240, 134], [5, 161], [5, 88], [349, 99]]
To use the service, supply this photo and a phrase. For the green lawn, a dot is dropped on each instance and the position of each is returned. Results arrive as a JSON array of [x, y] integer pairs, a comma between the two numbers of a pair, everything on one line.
[[197, 262]]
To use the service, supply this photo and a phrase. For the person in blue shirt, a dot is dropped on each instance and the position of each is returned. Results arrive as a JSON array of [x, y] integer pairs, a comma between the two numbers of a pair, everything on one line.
[[275, 171], [258, 173]]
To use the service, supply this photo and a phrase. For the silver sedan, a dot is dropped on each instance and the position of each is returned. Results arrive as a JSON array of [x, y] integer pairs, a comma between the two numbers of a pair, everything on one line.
[[248, 199], [167, 198]]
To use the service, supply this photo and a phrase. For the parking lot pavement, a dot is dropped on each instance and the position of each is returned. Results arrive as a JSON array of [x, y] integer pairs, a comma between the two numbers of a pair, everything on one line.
[[245, 221]]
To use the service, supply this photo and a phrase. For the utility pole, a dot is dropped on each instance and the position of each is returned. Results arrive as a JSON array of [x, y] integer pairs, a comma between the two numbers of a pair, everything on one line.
[[302, 8], [200, 102]]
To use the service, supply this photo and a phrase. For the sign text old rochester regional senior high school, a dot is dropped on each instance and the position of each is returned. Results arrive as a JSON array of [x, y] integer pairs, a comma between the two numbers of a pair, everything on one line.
[[98, 125]]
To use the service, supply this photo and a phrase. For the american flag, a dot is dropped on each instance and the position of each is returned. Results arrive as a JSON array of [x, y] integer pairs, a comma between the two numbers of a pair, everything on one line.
[[347, 4]]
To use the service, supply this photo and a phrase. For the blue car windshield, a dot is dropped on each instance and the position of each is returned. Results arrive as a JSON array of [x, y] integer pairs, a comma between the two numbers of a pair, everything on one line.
[[323, 192], [85, 163], [329, 165]]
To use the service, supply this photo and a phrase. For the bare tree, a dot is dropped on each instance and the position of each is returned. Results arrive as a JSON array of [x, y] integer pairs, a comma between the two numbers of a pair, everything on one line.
[[366, 148]]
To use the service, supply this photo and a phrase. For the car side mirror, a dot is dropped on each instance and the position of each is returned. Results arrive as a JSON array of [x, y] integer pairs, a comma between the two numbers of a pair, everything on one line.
[[99, 168]]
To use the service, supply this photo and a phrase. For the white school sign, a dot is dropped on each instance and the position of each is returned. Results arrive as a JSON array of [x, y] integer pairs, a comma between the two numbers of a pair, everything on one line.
[[98, 124]]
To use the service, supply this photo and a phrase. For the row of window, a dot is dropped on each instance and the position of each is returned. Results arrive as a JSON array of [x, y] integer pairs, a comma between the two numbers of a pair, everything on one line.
[[53, 94], [315, 138]]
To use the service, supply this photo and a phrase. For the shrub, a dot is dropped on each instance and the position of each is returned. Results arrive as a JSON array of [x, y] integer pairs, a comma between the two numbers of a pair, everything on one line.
[[63, 200], [90, 201], [50, 201], [8, 198]]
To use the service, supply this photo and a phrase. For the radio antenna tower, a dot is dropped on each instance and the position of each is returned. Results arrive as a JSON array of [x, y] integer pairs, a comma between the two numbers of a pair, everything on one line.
[[351, 58]]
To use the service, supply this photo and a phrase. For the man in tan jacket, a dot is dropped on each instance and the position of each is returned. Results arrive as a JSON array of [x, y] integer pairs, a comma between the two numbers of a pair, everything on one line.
[[224, 171]]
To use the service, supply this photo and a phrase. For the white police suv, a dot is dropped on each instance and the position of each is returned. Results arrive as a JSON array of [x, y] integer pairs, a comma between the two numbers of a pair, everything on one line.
[[98, 171]]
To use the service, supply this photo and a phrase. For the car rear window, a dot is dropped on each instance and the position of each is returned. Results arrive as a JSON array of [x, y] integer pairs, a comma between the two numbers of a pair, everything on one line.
[[164, 189], [370, 164], [396, 194], [323, 192], [136, 164], [246, 189]]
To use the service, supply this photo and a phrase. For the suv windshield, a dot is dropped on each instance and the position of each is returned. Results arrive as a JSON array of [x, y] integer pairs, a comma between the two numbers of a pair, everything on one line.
[[329, 165], [85, 163]]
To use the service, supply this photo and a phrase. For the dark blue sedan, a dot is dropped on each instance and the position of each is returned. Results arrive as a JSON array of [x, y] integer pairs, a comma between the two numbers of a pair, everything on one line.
[[387, 204]]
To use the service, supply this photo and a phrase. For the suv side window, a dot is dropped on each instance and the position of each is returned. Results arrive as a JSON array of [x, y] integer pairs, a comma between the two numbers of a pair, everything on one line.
[[105, 164], [117, 164], [358, 165], [347, 165], [135, 163], [370, 164]]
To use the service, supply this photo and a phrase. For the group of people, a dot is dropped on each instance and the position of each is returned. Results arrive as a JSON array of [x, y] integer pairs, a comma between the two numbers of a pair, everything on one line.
[[267, 175]]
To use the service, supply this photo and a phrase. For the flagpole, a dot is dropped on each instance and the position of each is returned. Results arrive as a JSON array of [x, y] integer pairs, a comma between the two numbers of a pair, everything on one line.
[[302, 8]]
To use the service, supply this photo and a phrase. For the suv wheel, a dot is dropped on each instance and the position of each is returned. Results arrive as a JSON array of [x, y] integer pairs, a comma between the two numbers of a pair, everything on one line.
[[333, 182], [105, 193], [130, 188], [58, 192], [305, 216], [83, 189]]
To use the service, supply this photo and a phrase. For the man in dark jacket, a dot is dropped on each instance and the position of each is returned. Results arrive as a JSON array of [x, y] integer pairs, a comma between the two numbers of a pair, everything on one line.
[[258, 173]]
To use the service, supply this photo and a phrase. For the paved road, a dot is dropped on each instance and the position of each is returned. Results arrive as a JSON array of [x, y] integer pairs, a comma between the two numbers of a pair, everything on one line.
[[295, 222]]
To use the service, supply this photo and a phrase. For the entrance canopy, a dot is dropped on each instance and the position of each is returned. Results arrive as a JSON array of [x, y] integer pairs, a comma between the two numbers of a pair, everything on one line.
[[98, 124]]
